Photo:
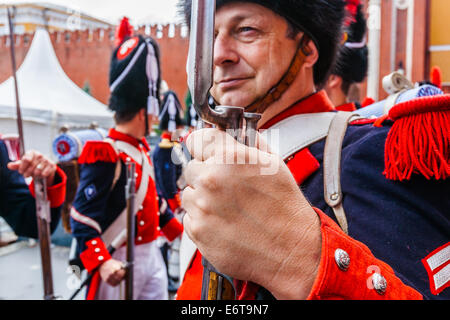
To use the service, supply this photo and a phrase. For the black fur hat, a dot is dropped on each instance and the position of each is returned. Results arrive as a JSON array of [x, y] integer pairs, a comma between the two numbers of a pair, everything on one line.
[[135, 76], [352, 60], [322, 20], [171, 111]]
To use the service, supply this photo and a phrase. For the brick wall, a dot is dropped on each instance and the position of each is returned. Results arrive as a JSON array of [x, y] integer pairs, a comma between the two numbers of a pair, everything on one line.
[[85, 57]]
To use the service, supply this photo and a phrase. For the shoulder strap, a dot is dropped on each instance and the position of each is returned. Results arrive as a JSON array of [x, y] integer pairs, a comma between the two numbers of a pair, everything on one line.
[[115, 230], [309, 128], [332, 166], [118, 170]]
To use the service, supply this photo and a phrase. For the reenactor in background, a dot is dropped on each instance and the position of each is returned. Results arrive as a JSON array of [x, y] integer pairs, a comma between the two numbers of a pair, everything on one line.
[[168, 168], [352, 61], [190, 115], [17, 202], [169, 161], [100, 202]]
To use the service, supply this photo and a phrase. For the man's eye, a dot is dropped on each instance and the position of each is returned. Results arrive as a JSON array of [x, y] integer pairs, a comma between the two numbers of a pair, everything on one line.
[[246, 29]]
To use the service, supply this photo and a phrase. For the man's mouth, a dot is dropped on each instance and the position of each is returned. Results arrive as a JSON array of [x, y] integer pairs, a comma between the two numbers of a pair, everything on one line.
[[229, 83]]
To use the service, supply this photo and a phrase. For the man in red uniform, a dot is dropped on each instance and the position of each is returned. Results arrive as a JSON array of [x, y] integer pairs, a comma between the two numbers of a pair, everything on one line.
[[370, 220], [352, 61], [98, 215]]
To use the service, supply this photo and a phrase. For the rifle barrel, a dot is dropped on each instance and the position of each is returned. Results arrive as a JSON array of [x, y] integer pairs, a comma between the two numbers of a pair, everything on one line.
[[16, 87], [131, 232]]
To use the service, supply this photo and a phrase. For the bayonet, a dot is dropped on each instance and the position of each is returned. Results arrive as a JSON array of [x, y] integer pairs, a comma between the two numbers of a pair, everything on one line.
[[215, 286]]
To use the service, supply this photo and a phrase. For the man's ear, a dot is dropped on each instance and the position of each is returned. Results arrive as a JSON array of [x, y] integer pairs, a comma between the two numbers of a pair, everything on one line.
[[334, 82], [312, 54], [142, 114]]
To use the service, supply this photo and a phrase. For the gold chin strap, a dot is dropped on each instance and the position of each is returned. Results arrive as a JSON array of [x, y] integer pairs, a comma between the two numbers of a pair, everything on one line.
[[281, 87]]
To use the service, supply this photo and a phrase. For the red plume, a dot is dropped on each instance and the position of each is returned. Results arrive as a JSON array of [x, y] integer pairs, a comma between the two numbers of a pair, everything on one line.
[[124, 30], [352, 9], [436, 77]]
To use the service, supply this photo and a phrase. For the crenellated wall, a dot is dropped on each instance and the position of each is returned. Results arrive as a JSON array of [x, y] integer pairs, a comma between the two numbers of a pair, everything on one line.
[[85, 56]]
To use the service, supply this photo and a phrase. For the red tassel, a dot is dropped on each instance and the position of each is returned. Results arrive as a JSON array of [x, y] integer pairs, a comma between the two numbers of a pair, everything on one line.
[[98, 151], [123, 31], [436, 77], [419, 141]]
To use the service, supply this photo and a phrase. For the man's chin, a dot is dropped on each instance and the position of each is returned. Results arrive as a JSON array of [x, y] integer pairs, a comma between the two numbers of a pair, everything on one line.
[[234, 100]]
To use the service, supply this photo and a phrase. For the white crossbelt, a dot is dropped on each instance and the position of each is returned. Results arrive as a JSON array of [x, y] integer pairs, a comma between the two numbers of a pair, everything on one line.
[[117, 227]]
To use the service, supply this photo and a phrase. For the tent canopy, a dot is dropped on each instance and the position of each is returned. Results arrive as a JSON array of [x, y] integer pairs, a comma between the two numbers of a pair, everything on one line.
[[47, 95], [49, 100]]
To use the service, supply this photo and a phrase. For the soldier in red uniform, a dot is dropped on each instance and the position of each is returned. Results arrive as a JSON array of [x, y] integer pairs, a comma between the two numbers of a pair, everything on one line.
[[100, 204], [352, 60], [370, 220], [17, 203]]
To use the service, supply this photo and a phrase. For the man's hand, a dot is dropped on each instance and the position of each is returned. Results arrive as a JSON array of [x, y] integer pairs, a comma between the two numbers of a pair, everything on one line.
[[112, 272], [251, 223], [34, 164]]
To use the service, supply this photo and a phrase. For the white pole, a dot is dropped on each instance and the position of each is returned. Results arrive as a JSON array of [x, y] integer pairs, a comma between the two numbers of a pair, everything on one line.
[[410, 40], [393, 35], [374, 26]]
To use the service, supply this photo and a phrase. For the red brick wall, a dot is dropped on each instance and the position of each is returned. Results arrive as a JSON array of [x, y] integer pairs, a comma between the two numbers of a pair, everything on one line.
[[85, 58], [21, 49]]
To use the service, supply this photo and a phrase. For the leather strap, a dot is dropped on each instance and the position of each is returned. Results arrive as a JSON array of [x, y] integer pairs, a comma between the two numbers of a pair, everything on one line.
[[277, 91], [332, 166]]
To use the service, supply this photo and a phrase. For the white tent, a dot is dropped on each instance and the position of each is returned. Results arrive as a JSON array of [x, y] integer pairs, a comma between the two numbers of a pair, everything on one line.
[[48, 99]]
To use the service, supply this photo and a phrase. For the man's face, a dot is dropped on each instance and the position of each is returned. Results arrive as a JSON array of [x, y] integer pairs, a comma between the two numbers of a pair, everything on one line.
[[252, 51]]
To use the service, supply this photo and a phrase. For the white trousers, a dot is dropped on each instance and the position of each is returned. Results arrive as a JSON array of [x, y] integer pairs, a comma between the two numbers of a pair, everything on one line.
[[150, 275]]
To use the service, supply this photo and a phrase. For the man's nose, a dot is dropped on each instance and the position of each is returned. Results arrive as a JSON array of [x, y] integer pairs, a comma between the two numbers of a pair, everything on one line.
[[225, 51]]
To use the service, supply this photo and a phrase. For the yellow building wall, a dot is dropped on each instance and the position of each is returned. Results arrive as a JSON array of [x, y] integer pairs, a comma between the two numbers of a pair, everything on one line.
[[439, 20], [440, 36]]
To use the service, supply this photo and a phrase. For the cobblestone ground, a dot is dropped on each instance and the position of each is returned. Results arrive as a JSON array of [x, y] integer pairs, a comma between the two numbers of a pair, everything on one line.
[[20, 268]]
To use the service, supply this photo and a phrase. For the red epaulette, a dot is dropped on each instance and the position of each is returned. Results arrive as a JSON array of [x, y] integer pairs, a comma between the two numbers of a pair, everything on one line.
[[419, 140], [98, 151], [367, 102], [349, 107]]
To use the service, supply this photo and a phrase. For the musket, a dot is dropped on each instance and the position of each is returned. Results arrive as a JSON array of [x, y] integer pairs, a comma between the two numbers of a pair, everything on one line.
[[40, 187], [131, 231], [216, 286]]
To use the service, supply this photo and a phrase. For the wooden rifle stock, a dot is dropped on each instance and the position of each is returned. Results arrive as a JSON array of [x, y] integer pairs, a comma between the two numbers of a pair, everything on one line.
[[43, 223]]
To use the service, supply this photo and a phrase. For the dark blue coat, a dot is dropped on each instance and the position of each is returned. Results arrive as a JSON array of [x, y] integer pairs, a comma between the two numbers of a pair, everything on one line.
[[401, 222], [167, 173], [17, 205]]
